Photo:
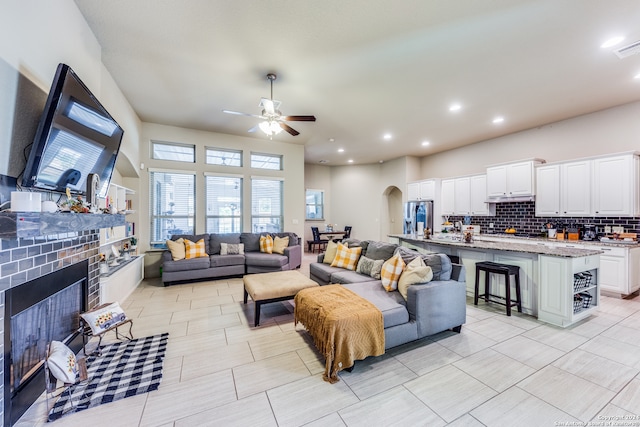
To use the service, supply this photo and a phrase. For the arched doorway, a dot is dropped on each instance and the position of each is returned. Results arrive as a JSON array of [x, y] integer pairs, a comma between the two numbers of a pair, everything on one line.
[[391, 217]]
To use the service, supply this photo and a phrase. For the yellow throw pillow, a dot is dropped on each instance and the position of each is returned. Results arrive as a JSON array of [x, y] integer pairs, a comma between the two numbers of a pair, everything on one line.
[[266, 244], [194, 250], [279, 244], [330, 252], [391, 271], [177, 249], [346, 258], [416, 272]]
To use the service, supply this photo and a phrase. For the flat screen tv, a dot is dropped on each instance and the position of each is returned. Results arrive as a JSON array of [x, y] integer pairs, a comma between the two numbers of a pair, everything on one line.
[[76, 137]]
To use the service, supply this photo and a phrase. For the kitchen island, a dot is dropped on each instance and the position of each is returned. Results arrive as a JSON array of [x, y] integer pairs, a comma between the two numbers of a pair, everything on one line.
[[558, 285]]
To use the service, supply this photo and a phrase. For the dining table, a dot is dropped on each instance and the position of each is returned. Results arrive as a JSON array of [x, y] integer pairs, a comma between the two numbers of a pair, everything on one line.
[[332, 234]]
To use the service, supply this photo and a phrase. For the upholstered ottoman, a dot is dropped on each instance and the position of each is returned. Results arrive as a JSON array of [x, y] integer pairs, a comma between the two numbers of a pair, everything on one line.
[[272, 287]]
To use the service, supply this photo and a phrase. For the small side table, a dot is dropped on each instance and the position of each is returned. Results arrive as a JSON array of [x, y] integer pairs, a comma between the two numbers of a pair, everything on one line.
[[87, 333]]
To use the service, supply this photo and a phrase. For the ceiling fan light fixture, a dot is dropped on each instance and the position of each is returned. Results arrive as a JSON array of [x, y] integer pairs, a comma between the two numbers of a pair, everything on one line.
[[270, 128]]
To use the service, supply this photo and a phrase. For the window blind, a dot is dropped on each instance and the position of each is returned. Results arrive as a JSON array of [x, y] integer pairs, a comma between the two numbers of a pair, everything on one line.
[[172, 204], [224, 204], [266, 205]]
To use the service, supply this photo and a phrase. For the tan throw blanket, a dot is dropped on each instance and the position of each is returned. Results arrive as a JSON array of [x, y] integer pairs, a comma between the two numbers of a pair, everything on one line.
[[345, 327]]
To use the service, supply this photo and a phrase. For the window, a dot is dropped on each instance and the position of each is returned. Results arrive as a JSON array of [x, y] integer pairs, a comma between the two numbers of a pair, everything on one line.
[[172, 204], [315, 204], [224, 204], [266, 161], [173, 151], [223, 157], [266, 205]]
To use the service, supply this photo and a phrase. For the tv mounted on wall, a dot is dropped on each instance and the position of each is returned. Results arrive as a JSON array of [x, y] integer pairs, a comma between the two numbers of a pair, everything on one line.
[[76, 137]]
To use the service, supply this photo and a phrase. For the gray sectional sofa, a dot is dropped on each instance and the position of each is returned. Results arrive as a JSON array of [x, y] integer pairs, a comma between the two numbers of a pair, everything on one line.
[[429, 308], [216, 265]]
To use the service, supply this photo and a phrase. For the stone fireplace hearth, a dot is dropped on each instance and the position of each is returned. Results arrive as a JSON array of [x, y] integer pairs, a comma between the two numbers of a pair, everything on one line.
[[25, 259]]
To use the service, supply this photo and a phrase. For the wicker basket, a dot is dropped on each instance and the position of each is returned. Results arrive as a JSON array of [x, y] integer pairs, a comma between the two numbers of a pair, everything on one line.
[[581, 281], [586, 299], [577, 303]]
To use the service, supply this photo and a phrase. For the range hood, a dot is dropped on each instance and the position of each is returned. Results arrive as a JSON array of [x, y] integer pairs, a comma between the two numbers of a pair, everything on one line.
[[505, 199]]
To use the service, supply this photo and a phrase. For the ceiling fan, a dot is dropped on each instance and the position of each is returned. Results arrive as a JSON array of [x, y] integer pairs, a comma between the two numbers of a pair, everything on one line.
[[273, 120]]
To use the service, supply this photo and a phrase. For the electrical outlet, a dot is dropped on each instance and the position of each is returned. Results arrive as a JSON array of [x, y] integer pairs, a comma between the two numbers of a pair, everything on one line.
[[295, 222], [490, 225], [617, 229], [607, 229]]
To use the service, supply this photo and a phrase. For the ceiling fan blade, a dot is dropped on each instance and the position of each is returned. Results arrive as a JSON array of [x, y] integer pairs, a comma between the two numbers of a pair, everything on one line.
[[253, 129], [242, 114], [289, 129], [299, 118], [268, 106]]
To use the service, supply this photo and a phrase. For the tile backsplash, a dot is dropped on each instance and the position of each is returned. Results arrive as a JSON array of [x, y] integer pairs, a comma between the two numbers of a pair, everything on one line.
[[521, 216]]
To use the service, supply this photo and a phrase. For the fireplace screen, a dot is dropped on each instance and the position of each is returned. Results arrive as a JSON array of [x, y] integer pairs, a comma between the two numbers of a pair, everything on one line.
[[54, 318]]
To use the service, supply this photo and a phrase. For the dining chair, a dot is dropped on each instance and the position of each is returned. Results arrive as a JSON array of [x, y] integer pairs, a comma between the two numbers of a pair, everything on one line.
[[317, 241]]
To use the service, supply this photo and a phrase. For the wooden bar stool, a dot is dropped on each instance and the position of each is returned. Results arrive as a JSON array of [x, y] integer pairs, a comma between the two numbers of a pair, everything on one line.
[[505, 269]]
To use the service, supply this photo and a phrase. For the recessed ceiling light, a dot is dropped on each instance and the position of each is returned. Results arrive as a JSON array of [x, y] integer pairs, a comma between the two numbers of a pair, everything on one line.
[[331, 139], [350, 160], [455, 107], [498, 120], [387, 136], [381, 161], [340, 150], [425, 143], [612, 42], [637, 76]]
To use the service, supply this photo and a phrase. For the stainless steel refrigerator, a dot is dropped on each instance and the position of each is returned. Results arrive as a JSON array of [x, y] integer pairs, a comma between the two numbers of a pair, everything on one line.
[[417, 216]]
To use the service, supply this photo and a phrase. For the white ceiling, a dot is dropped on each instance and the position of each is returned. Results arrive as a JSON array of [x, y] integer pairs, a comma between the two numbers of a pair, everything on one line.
[[367, 67]]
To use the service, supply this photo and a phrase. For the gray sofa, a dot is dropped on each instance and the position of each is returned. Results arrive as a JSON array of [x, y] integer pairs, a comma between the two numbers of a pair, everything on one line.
[[430, 307], [216, 265]]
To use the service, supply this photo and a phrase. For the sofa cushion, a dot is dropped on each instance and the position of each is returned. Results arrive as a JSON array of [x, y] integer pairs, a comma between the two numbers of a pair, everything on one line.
[[251, 242], [279, 243], [323, 271], [177, 249], [231, 248], [346, 257], [439, 263], [293, 237], [330, 252], [343, 276], [391, 271], [370, 267], [380, 250], [193, 238], [226, 260], [265, 260], [391, 304], [215, 239], [195, 249], [186, 264], [415, 272], [353, 243]]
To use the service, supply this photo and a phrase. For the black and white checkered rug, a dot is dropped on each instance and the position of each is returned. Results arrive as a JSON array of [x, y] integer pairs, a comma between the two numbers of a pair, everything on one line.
[[122, 370]]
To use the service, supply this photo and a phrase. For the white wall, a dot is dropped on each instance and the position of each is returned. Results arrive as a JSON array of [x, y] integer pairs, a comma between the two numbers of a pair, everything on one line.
[[293, 174], [318, 177]]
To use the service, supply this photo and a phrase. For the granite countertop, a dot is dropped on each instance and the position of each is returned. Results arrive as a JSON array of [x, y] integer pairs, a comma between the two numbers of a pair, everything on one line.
[[507, 244]]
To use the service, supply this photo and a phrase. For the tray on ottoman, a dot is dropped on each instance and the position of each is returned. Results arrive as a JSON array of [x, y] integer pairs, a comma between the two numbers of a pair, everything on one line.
[[272, 287]]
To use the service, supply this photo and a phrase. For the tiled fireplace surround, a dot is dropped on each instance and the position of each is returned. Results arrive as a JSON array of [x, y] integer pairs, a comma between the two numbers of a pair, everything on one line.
[[24, 259]]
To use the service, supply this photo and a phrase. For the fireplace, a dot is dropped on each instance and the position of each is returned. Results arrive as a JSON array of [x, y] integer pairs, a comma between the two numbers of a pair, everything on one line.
[[37, 312]]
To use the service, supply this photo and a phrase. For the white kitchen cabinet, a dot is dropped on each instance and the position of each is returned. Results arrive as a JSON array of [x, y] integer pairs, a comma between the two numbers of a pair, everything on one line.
[[447, 194], [548, 190], [619, 270], [561, 301], [575, 191], [528, 277], [615, 186], [564, 189], [462, 196], [512, 180], [122, 281], [422, 190], [478, 186], [469, 258]]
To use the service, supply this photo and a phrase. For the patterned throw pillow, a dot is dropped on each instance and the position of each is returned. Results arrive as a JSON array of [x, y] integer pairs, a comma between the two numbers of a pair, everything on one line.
[[370, 267], [102, 319], [346, 257], [62, 362], [416, 272], [391, 271], [177, 249], [279, 245], [231, 248], [194, 250], [330, 252], [266, 244]]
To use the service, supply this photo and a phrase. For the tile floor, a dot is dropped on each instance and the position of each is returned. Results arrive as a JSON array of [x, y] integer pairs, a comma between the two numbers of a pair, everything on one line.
[[500, 371]]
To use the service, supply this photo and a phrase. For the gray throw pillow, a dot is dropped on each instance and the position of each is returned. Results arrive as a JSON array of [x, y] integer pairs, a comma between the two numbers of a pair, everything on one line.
[[370, 267], [216, 239], [251, 241], [380, 250]]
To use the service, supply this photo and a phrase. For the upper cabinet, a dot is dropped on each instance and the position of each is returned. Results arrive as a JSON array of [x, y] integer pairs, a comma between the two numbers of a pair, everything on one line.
[[466, 195], [604, 186], [448, 197], [511, 180], [423, 190], [479, 205]]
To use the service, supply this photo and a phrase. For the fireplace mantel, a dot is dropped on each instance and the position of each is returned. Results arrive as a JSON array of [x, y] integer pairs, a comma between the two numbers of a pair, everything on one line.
[[33, 224]]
